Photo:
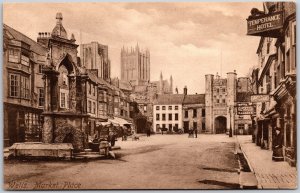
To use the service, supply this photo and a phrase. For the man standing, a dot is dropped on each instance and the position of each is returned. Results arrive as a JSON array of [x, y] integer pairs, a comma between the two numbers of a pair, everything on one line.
[[277, 146], [196, 132]]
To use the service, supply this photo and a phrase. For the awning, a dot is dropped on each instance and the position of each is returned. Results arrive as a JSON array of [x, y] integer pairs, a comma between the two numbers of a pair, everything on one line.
[[98, 123], [114, 122], [119, 121]]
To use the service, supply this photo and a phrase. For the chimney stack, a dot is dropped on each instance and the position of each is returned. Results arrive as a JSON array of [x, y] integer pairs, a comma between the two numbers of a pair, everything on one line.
[[185, 90]]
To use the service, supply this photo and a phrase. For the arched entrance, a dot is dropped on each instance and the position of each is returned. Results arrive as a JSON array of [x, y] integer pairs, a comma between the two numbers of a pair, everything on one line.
[[220, 124], [141, 123]]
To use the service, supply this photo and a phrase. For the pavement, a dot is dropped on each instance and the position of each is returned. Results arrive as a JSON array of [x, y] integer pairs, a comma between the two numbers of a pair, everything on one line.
[[269, 174]]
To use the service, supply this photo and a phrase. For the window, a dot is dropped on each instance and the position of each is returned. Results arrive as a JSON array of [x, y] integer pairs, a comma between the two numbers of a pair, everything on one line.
[[157, 107], [170, 127], [288, 65], [157, 117], [170, 107], [63, 100], [223, 101], [24, 83], [163, 117], [157, 126], [90, 88], [89, 107], [145, 108], [40, 68], [203, 112], [176, 107], [224, 90], [176, 116], [163, 125], [94, 107], [41, 97], [170, 117], [217, 90], [217, 101], [14, 55], [163, 107], [203, 126], [94, 92], [241, 126], [186, 114], [24, 60], [194, 112], [14, 85]]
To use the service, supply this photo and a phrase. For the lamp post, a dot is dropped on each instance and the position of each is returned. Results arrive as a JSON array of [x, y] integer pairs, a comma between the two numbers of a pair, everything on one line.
[[230, 127]]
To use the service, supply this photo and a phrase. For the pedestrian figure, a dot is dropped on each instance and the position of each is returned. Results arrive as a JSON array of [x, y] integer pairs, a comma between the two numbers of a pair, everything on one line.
[[277, 145], [191, 133], [196, 132], [148, 132]]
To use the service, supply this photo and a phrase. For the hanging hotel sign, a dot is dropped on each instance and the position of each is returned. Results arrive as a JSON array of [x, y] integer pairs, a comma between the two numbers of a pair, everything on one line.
[[265, 25], [260, 98], [244, 109]]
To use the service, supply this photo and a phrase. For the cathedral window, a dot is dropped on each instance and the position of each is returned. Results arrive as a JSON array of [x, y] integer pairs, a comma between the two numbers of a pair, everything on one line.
[[64, 98]]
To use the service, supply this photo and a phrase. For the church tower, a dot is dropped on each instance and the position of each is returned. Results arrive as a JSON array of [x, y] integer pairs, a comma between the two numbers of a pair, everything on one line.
[[135, 65]]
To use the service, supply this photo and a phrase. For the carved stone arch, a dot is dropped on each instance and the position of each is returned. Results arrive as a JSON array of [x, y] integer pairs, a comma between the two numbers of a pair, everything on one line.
[[67, 61]]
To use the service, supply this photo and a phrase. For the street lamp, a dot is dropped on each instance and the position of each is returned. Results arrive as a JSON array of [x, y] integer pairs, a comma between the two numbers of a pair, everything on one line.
[[230, 128]]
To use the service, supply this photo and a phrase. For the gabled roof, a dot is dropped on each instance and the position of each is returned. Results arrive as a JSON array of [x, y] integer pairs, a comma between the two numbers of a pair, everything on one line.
[[194, 99], [169, 99], [243, 96], [34, 46]]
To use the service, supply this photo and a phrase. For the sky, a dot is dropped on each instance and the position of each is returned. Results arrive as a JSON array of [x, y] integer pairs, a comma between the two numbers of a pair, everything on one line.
[[186, 40]]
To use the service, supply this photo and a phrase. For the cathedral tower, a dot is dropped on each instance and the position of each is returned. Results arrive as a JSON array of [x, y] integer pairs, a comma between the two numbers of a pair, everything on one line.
[[135, 65]]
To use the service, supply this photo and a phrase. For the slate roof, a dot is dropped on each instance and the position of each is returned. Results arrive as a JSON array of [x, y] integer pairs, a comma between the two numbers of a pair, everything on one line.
[[168, 99], [34, 46], [243, 96], [194, 99]]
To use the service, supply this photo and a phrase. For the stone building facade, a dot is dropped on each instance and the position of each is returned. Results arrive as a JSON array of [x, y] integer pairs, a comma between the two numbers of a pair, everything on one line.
[[23, 88], [275, 78], [221, 103]]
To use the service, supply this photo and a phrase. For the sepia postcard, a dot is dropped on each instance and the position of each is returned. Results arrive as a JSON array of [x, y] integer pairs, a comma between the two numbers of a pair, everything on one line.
[[149, 95]]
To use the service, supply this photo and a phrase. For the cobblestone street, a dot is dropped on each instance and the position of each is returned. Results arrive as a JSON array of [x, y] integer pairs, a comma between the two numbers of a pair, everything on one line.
[[158, 162]]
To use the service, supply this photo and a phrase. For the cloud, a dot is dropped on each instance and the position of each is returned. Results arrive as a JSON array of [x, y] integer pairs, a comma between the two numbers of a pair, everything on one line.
[[185, 39]]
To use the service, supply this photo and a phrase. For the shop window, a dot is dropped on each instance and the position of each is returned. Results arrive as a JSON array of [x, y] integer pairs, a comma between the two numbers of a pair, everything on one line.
[[14, 55], [157, 126], [41, 97], [195, 125], [163, 125], [241, 126]]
